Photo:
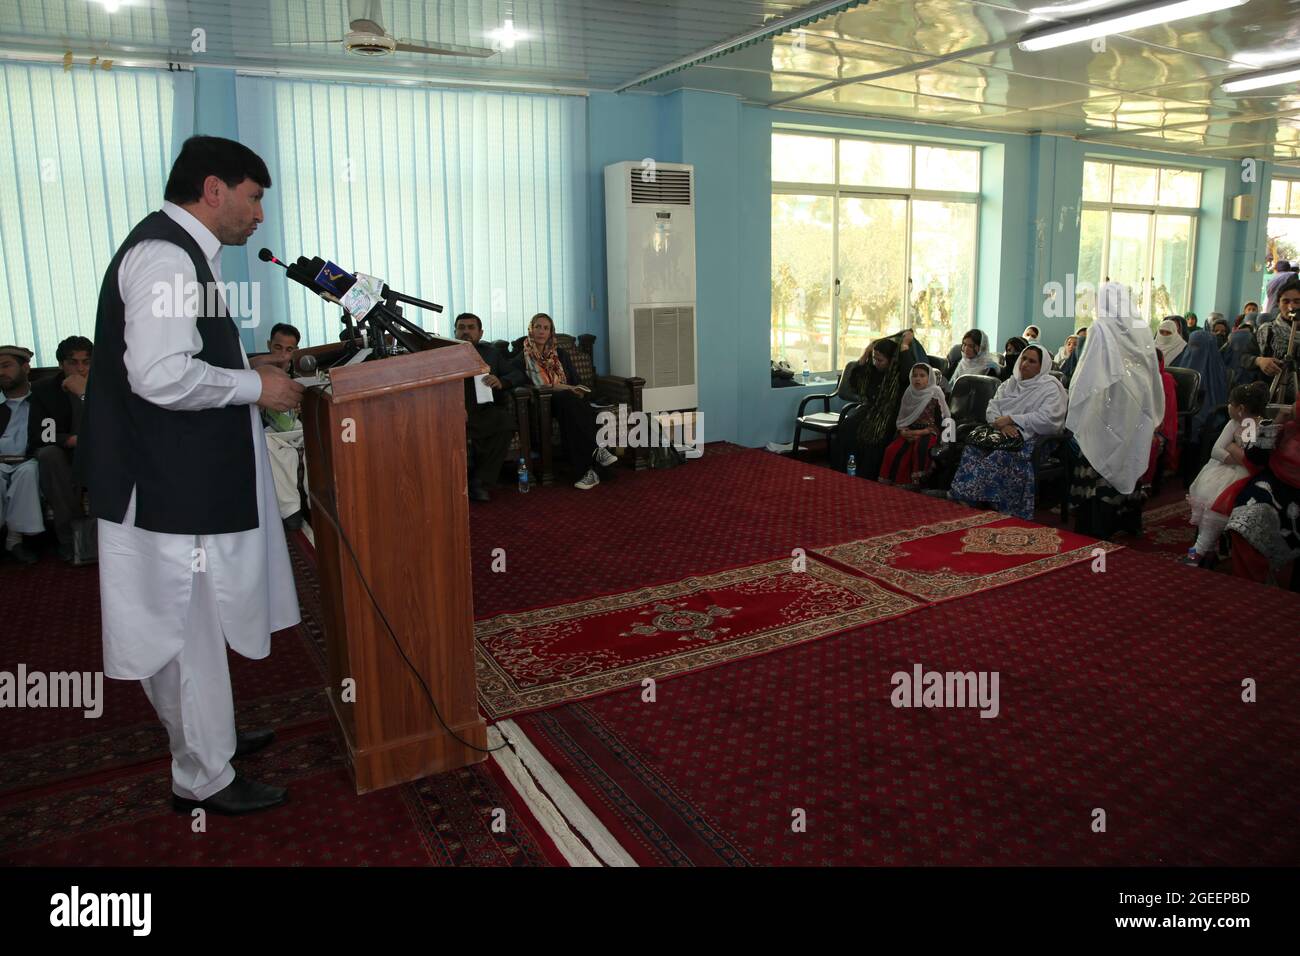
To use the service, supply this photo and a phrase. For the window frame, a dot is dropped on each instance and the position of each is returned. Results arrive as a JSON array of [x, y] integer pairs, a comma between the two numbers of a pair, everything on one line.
[[1154, 211], [835, 191]]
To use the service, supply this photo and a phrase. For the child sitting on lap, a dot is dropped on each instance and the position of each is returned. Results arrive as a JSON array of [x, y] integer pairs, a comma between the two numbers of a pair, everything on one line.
[[1227, 465]]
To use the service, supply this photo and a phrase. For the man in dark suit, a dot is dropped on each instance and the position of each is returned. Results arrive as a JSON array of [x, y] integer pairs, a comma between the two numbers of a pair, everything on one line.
[[52, 427], [488, 425]]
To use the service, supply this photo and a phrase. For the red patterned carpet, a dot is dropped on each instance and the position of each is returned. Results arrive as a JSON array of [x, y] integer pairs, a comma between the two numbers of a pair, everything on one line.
[[1109, 697], [81, 792], [1112, 695]]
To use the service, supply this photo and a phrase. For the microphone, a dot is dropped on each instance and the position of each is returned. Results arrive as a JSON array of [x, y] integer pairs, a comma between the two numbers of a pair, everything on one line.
[[266, 255], [306, 364]]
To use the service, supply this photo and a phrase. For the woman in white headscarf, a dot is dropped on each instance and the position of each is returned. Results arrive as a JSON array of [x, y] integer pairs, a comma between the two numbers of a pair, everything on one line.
[[975, 356], [1117, 403], [1170, 341], [1031, 406], [921, 415]]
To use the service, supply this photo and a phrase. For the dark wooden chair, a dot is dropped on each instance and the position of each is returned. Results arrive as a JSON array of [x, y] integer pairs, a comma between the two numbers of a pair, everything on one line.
[[538, 429]]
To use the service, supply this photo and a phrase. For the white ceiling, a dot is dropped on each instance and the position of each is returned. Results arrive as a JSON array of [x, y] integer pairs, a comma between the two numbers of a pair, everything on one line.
[[941, 61]]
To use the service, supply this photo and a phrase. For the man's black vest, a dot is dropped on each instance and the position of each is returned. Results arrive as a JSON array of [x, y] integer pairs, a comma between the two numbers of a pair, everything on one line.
[[193, 472]]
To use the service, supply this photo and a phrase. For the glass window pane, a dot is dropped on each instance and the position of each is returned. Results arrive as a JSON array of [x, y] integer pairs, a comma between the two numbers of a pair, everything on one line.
[[873, 237], [942, 273], [1135, 185], [802, 159], [1295, 197], [1277, 196], [864, 163], [801, 281], [1172, 265], [1092, 243], [1128, 255], [948, 169], [1096, 182], [1180, 187]]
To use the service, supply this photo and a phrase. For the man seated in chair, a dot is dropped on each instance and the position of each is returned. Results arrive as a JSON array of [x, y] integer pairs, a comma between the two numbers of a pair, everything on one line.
[[283, 431], [57, 405], [488, 425], [20, 495]]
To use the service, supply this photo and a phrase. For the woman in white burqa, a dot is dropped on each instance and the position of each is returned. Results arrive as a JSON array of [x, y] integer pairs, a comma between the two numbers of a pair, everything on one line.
[[1117, 402]]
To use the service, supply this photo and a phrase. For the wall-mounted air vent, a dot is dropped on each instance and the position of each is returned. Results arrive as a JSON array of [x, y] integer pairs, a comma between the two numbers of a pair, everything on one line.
[[660, 187]]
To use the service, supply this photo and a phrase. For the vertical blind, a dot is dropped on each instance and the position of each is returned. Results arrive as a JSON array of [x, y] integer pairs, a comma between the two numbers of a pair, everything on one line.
[[474, 200], [86, 157]]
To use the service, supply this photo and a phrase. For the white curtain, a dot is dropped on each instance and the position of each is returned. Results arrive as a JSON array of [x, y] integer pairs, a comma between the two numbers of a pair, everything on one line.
[[85, 157], [473, 200]]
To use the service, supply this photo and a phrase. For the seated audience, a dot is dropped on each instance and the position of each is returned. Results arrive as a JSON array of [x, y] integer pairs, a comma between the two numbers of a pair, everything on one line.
[[489, 425], [1071, 363], [1265, 521], [1066, 350], [1219, 328], [1249, 314], [283, 430], [1031, 333], [1190, 321], [1240, 357], [1202, 356], [1117, 403], [1169, 341], [20, 492], [879, 378], [1015, 345], [1029, 406], [57, 404], [975, 357], [920, 421], [1165, 453], [1226, 467], [546, 366]]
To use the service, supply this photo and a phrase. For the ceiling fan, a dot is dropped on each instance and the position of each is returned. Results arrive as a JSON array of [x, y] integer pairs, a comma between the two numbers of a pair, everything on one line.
[[367, 37]]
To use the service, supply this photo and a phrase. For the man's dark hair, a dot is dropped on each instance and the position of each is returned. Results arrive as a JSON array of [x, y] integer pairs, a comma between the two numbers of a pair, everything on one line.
[[71, 345], [1290, 285], [467, 315], [284, 328], [204, 156]]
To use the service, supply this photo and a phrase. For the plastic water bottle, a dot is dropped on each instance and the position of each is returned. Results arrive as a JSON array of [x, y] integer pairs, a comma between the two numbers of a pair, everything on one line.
[[853, 467], [807, 373], [523, 477]]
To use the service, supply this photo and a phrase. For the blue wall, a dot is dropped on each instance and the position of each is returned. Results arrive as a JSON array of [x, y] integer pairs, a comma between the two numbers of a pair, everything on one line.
[[1028, 235]]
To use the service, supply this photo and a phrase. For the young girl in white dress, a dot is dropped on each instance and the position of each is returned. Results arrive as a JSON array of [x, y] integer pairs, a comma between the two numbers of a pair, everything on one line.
[[1226, 466]]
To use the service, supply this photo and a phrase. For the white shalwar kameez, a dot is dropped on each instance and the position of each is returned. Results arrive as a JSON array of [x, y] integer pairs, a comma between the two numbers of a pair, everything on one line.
[[171, 602]]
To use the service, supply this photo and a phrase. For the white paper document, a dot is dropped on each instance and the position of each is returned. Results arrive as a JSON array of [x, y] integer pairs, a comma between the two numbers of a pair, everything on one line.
[[482, 389]]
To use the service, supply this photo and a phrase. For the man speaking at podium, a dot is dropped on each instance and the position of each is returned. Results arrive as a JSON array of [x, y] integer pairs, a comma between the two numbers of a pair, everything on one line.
[[192, 555]]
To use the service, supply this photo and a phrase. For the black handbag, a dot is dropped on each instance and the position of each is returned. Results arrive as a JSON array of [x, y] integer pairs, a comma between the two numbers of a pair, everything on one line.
[[988, 438]]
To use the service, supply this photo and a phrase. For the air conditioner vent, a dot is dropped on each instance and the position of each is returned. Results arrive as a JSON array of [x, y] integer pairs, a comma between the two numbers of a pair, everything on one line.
[[659, 187], [664, 346]]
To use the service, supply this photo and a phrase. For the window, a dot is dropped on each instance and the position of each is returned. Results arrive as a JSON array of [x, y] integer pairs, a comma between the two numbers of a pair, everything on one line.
[[474, 200], [68, 200], [1283, 227], [1137, 226], [869, 237]]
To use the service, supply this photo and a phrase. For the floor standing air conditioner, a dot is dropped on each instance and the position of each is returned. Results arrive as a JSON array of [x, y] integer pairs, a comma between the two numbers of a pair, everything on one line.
[[650, 245]]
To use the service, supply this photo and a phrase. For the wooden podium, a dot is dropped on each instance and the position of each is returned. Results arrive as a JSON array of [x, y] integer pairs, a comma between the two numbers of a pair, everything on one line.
[[385, 449]]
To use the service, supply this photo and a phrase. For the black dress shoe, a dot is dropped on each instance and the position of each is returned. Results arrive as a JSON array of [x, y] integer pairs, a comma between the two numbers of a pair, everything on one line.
[[478, 493], [252, 742], [242, 796], [22, 555]]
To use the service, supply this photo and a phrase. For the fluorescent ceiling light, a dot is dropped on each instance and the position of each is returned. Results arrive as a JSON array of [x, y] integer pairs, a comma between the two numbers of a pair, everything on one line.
[[1129, 18], [1255, 81], [507, 35]]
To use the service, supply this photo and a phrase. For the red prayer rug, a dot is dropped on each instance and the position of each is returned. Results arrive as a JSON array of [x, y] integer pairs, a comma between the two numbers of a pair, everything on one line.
[[950, 559], [553, 655]]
